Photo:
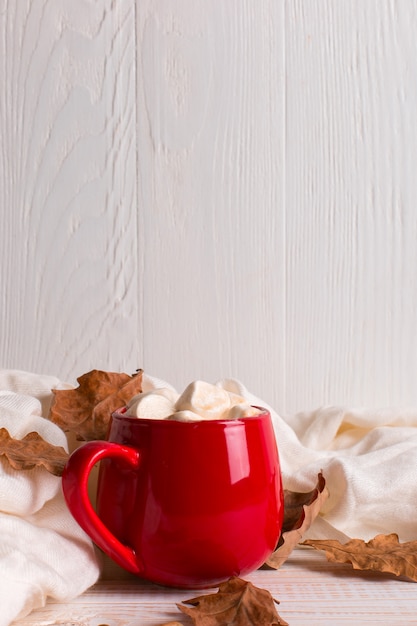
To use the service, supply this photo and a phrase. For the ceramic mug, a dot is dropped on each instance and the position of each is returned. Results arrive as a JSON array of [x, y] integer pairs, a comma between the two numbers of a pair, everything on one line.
[[184, 504]]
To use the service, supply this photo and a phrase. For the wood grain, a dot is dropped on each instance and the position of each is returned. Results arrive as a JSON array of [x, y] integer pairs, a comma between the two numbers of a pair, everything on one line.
[[211, 176], [310, 590], [350, 203], [68, 186], [212, 190]]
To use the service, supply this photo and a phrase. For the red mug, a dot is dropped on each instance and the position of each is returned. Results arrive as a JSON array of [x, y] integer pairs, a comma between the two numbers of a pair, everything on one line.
[[183, 504]]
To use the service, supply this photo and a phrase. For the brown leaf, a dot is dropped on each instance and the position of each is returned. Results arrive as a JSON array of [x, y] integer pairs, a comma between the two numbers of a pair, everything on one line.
[[300, 510], [86, 410], [32, 451], [237, 603], [384, 553]]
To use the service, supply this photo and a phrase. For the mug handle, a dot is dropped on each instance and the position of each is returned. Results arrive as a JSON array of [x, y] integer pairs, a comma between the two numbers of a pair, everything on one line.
[[75, 489]]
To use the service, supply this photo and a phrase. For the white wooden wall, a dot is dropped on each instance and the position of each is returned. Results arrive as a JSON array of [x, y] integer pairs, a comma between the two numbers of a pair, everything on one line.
[[208, 188]]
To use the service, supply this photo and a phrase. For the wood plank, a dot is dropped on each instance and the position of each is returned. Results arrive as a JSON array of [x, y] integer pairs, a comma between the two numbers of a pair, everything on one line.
[[68, 281], [350, 195], [311, 592], [211, 179]]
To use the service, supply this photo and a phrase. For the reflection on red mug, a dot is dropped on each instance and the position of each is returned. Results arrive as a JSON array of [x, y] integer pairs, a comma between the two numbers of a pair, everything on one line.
[[184, 504]]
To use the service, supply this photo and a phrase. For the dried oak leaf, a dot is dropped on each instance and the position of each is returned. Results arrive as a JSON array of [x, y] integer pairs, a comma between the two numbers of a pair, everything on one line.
[[32, 451], [300, 510], [236, 603], [86, 410], [383, 553]]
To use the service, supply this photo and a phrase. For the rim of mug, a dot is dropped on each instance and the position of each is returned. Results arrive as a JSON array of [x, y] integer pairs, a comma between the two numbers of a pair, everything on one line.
[[121, 414]]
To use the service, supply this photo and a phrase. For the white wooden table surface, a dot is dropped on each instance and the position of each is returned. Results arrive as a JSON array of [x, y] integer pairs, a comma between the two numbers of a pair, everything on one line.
[[310, 590]]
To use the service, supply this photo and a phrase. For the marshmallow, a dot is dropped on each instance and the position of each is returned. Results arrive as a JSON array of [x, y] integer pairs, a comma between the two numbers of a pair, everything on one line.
[[238, 411], [199, 401], [157, 404], [236, 399], [209, 401], [185, 416]]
